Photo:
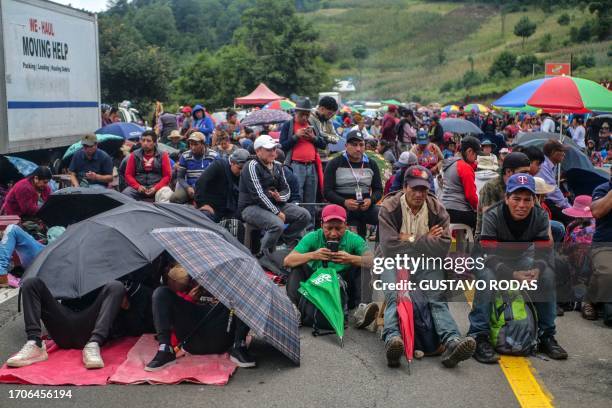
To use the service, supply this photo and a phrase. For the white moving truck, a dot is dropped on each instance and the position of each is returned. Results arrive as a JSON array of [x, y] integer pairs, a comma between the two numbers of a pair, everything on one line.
[[49, 77]]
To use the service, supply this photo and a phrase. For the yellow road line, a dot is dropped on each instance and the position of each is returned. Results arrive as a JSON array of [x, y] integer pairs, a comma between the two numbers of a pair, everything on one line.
[[521, 377], [527, 389]]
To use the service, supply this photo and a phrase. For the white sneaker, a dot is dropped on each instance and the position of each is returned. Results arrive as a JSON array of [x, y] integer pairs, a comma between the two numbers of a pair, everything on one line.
[[30, 353], [91, 356]]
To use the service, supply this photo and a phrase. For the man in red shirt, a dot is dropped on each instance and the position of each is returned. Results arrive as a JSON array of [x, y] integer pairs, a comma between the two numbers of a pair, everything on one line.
[[148, 171], [300, 142], [390, 119], [29, 194]]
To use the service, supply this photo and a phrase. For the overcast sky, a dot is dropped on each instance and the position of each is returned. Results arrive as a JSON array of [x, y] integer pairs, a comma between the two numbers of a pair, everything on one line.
[[89, 5]]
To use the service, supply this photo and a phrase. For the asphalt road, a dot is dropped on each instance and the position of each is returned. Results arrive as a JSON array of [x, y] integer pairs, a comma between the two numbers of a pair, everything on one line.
[[357, 376]]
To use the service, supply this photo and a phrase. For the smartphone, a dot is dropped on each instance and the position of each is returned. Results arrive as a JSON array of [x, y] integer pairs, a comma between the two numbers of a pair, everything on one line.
[[333, 245]]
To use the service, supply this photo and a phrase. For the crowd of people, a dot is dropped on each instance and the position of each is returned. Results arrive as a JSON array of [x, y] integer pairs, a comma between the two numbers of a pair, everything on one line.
[[323, 177]]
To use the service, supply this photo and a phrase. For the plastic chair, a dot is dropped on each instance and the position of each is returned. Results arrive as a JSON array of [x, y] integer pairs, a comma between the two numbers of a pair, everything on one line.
[[464, 234]]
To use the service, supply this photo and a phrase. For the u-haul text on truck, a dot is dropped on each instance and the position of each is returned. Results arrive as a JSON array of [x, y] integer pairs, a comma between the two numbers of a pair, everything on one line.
[[51, 91]]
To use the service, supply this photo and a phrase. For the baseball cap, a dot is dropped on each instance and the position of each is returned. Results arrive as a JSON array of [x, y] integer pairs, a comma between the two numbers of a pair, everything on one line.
[[197, 136], [520, 181], [89, 139], [515, 160], [354, 135], [407, 159], [333, 212], [186, 109], [416, 176], [422, 138], [240, 156], [265, 141]]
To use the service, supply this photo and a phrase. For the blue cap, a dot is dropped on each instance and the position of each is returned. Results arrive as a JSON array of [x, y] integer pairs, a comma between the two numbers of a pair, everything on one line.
[[422, 138], [520, 181]]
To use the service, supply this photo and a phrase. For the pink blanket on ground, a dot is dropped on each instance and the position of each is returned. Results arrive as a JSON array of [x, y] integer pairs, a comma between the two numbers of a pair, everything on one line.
[[65, 367], [210, 369]]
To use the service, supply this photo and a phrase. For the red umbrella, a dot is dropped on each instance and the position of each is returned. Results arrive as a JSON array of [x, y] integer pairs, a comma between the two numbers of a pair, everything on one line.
[[405, 313]]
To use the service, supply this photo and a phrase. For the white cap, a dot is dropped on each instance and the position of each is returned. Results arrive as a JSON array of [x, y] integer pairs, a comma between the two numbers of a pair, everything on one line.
[[265, 141]]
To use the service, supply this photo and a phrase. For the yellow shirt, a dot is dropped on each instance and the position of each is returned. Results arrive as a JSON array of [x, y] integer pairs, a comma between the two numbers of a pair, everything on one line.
[[416, 225]]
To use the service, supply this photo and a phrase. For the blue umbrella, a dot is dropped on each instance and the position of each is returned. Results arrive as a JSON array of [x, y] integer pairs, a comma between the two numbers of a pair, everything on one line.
[[23, 166], [129, 131], [109, 143]]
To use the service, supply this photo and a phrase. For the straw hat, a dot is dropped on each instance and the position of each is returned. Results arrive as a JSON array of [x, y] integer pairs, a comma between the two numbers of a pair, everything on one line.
[[542, 187]]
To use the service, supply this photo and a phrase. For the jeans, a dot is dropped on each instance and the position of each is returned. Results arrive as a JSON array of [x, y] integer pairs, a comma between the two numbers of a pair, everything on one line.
[[16, 239], [481, 307], [306, 175], [296, 217], [445, 325], [362, 218], [202, 327], [69, 328]]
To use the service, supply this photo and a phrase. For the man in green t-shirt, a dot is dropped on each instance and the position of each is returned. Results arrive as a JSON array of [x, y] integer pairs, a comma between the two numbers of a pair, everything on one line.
[[332, 246]]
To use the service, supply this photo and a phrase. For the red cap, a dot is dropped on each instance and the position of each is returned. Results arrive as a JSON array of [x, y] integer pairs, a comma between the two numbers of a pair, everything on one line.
[[186, 109], [333, 212]]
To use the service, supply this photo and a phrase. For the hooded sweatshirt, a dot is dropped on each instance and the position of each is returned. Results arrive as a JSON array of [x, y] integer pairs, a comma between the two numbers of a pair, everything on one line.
[[205, 124]]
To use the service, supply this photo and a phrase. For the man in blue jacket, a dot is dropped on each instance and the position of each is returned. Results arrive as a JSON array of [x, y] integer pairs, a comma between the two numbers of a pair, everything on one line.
[[202, 122]]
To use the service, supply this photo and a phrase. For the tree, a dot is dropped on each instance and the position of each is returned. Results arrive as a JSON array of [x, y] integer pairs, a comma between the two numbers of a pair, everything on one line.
[[545, 43], [360, 53], [525, 64], [156, 24], [564, 19], [525, 29], [503, 64], [129, 68]]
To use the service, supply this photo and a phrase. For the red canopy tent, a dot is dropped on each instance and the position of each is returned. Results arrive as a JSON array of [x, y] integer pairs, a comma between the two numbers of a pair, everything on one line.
[[260, 96]]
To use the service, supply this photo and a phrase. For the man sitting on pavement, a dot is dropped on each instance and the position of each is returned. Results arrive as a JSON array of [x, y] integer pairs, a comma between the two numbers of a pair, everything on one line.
[[190, 167], [313, 252], [28, 195], [201, 323], [515, 238], [216, 191], [148, 171], [414, 222], [91, 166], [263, 197], [353, 181]]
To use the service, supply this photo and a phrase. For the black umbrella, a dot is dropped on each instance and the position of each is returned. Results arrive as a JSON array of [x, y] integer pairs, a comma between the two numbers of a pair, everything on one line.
[[460, 126], [108, 246], [73, 204], [574, 157], [584, 181]]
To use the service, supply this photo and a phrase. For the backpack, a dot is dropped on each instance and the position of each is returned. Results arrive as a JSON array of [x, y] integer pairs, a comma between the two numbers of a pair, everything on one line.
[[312, 317], [513, 325]]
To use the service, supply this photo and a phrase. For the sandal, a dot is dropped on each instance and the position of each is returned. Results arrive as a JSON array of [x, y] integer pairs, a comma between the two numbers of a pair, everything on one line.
[[588, 311]]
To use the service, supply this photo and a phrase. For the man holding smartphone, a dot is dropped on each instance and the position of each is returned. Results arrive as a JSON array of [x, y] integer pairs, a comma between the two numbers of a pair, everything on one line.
[[331, 246], [353, 181]]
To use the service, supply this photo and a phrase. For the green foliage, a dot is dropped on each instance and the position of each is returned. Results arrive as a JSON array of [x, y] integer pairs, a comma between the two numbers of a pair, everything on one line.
[[587, 61], [545, 43], [564, 19], [472, 78], [446, 87], [525, 64], [124, 57], [360, 52], [582, 34], [273, 45], [525, 29], [503, 65]]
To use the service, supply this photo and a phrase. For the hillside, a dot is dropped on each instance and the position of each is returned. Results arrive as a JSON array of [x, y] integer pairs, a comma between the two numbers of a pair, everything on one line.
[[416, 47]]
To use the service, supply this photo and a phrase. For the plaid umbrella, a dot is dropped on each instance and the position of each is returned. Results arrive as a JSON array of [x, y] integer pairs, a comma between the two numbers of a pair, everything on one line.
[[238, 281], [265, 117]]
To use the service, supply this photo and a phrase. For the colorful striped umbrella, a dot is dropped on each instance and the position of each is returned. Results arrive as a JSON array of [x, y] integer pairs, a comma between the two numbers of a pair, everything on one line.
[[281, 104], [476, 107], [562, 94], [450, 109]]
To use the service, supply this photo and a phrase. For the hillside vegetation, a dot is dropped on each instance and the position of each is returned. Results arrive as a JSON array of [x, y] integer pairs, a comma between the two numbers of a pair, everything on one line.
[[442, 51]]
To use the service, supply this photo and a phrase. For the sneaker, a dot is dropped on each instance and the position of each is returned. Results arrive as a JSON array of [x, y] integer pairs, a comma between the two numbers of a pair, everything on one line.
[[549, 346], [165, 356], [4, 283], [91, 356], [241, 357], [457, 350], [560, 311], [30, 353], [395, 350], [485, 353], [365, 315]]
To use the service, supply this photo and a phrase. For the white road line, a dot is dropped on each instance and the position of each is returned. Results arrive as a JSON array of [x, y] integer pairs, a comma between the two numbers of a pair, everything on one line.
[[7, 294]]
